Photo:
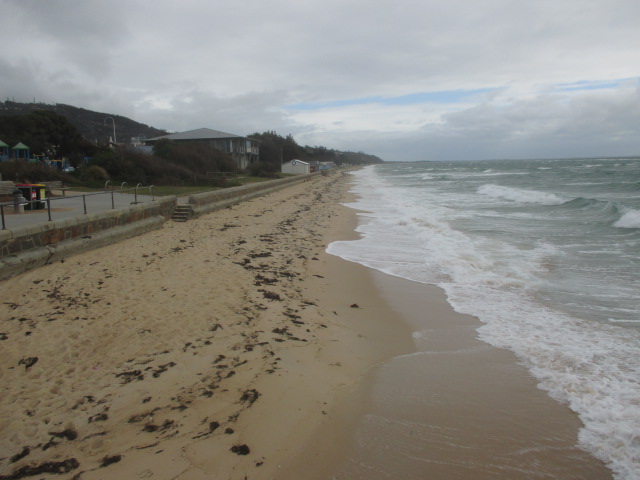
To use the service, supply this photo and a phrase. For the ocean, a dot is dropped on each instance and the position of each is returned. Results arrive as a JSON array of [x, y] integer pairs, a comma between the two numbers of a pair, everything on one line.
[[545, 253]]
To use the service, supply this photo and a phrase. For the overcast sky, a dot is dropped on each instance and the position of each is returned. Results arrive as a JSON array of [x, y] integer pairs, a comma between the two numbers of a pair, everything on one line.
[[402, 79]]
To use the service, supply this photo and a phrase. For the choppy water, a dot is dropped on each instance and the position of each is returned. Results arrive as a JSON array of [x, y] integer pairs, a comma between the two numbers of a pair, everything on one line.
[[546, 253]]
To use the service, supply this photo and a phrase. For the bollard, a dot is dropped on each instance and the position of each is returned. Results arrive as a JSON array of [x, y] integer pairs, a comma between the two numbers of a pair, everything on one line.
[[18, 201]]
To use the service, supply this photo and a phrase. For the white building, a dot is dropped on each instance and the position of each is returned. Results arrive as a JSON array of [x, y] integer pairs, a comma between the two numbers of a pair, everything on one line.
[[296, 167]]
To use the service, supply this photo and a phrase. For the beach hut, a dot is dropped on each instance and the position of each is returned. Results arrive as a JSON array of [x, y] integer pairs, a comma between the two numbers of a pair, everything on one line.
[[324, 166], [20, 150], [4, 151], [296, 167]]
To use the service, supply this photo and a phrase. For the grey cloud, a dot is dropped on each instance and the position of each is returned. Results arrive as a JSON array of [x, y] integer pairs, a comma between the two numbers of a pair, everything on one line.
[[87, 35], [242, 114], [590, 124], [235, 66]]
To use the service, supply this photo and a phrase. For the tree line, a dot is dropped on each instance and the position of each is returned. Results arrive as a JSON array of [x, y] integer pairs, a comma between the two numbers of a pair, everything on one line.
[[47, 133], [276, 150]]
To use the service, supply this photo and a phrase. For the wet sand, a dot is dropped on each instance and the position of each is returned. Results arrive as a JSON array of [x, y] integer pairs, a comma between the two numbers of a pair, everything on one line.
[[458, 408], [233, 347]]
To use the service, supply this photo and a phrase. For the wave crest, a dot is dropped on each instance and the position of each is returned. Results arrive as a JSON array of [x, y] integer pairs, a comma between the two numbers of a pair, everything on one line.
[[631, 219], [520, 195]]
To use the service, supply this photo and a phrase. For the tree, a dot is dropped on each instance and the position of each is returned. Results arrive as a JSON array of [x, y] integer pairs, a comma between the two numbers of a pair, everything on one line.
[[172, 163], [45, 133], [274, 151]]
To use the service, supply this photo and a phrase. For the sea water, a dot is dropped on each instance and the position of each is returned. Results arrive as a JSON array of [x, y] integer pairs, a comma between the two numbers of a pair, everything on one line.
[[546, 253]]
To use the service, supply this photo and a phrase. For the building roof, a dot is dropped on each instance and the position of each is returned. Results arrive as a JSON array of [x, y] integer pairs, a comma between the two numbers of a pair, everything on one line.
[[20, 146], [296, 161], [198, 134], [2, 144]]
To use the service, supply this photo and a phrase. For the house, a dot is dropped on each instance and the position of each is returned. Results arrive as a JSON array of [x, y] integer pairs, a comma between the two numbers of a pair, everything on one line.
[[296, 167], [243, 150]]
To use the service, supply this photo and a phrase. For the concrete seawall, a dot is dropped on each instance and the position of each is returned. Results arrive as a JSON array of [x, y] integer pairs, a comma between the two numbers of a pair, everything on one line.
[[31, 246], [27, 247], [210, 201]]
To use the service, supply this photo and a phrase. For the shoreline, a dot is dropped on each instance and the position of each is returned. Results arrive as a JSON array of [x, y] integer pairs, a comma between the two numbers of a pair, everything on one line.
[[454, 407], [467, 410], [234, 346]]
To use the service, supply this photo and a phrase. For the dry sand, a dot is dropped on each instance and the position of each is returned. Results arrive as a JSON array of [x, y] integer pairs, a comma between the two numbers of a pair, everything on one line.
[[233, 347], [208, 349]]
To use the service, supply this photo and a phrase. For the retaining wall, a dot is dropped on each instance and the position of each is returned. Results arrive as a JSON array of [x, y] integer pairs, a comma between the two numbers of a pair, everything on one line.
[[210, 201], [25, 248], [31, 246]]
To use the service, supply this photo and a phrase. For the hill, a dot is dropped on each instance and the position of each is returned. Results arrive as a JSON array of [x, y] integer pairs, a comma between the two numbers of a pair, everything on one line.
[[97, 128], [93, 126]]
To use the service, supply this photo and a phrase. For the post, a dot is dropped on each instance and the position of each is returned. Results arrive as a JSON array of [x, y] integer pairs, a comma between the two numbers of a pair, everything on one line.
[[113, 205], [114, 128], [49, 207], [4, 227], [84, 203]]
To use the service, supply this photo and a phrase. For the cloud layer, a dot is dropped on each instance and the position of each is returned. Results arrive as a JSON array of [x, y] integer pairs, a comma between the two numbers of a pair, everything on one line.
[[403, 79]]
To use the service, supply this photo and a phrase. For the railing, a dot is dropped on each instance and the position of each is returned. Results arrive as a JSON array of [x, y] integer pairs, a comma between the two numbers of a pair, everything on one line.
[[76, 198]]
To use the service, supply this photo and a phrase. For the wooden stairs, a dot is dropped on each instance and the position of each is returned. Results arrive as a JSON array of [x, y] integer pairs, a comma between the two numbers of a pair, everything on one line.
[[182, 213]]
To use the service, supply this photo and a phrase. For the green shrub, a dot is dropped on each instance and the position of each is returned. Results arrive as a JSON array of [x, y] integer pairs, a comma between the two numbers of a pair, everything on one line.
[[20, 171], [93, 173]]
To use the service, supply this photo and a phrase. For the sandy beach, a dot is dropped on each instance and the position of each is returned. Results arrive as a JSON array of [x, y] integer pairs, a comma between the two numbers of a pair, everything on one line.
[[232, 346], [208, 349]]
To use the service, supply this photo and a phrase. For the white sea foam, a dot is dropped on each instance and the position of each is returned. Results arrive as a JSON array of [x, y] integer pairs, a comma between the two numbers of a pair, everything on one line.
[[630, 219], [520, 195], [593, 367], [590, 367]]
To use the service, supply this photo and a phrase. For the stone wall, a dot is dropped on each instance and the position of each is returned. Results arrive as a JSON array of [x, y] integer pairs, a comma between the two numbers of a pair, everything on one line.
[[7, 188], [27, 247]]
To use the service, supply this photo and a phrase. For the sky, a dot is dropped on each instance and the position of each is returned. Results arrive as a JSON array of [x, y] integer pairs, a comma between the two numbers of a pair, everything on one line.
[[401, 79]]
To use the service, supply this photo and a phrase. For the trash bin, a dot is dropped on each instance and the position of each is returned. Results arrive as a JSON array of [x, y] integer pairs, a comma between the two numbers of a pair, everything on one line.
[[18, 201], [35, 193]]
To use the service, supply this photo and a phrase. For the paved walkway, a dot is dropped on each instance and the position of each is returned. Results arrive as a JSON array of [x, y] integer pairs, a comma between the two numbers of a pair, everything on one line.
[[72, 205]]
